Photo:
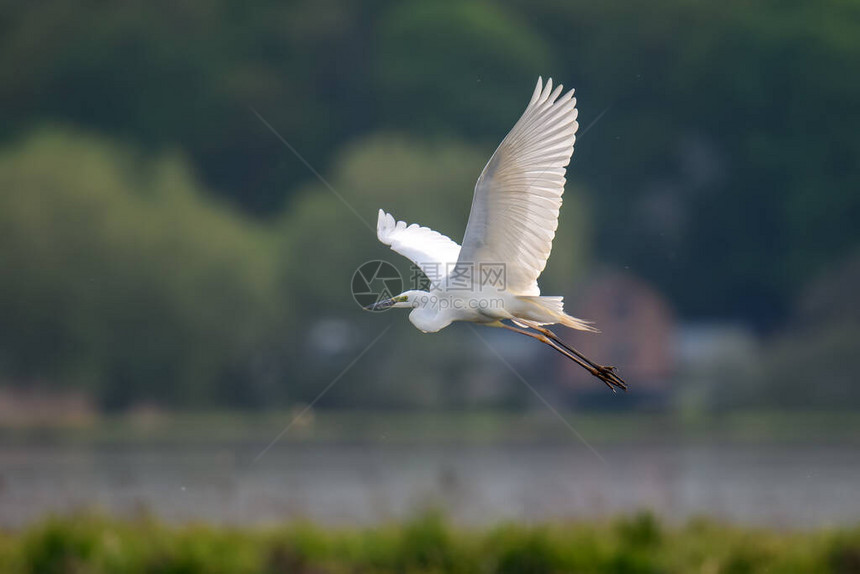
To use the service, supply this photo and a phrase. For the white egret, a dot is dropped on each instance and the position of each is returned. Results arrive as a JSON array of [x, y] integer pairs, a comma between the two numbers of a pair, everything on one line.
[[492, 278]]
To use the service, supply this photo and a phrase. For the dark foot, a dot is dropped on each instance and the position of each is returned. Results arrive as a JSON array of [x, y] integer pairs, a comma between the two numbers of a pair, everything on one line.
[[609, 377]]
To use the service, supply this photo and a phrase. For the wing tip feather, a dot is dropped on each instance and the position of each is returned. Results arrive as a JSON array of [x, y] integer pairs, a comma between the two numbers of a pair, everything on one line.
[[547, 89], [537, 92], [384, 226]]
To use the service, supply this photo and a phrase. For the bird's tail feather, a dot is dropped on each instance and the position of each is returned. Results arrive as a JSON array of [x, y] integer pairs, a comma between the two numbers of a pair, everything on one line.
[[553, 312]]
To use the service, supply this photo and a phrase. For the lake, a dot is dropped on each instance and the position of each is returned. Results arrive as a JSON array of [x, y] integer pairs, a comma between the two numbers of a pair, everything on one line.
[[805, 485]]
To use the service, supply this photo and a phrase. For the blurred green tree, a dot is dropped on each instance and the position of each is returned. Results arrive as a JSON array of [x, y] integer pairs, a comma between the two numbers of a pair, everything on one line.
[[814, 362], [725, 171], [187, 75], [120, 277], [455, 67]]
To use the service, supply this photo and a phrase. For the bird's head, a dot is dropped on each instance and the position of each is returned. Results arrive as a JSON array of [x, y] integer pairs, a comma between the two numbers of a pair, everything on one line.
[[406, 300]]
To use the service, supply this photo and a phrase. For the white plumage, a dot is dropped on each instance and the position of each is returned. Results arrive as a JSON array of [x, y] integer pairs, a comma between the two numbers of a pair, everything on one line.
[[511, 226], [431, 251], [515, 208]]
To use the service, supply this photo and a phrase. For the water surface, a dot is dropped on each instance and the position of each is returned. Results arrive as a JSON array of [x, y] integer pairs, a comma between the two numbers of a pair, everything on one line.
[[792, 485]]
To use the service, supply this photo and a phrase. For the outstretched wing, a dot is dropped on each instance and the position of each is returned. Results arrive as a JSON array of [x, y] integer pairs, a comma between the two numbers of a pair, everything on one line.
[[431, 251], [515, 207]]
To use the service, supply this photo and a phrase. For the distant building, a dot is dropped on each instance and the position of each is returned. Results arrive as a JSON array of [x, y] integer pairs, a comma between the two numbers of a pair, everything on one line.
[[637, 336]]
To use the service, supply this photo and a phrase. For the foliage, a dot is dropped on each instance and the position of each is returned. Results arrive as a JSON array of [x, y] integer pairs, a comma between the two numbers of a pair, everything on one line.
[[458, 64], [814, 363], [724, 171], [94, 544], [724, 165], [120, 276], [718, 159], [126, 280]]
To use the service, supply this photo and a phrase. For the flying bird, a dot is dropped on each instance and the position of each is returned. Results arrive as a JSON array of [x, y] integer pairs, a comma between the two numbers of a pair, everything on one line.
[[492, 278]]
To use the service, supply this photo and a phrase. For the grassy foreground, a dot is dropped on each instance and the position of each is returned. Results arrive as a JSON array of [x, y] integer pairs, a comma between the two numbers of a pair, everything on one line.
[[638, 544]]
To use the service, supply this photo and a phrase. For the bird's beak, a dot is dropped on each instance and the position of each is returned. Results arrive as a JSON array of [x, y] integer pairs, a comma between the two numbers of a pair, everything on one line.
[[380, 305], [386, 303]]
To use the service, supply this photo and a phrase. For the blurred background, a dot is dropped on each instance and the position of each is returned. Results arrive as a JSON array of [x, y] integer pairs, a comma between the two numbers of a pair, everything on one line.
[[177, 331]]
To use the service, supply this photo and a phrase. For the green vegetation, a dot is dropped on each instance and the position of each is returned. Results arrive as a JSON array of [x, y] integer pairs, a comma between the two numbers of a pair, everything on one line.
[[638, 544], [120, 277], [159, 244], [729, 150]]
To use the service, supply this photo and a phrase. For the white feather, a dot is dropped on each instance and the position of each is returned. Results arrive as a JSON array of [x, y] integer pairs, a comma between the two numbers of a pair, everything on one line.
[[515, 206], [431, 251]]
